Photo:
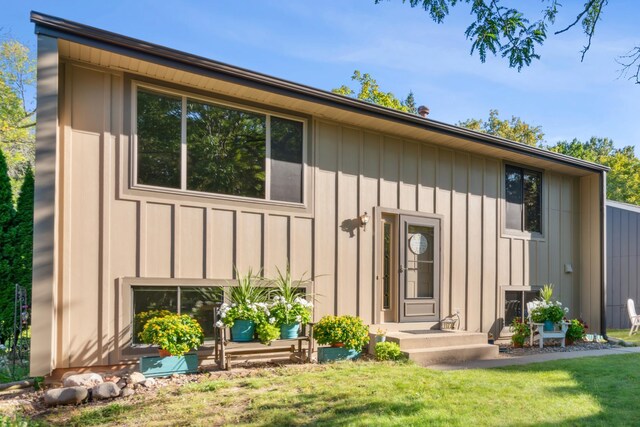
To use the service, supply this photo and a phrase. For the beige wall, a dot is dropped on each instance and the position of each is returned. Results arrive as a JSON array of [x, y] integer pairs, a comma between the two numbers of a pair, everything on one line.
[[110, 234]]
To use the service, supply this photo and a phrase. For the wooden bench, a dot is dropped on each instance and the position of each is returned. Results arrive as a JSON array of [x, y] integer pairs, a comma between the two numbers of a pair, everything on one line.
[[301, 348]]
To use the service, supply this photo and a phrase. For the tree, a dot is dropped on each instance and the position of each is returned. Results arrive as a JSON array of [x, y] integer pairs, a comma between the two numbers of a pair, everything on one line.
[[502, 29], [370, 92], [623, 180], [17, 112], [514, 129], [23, 234], [7, 213]]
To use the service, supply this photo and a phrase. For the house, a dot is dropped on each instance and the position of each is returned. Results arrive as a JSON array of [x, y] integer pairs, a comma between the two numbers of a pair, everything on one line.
[[158, 171], [623, 258]]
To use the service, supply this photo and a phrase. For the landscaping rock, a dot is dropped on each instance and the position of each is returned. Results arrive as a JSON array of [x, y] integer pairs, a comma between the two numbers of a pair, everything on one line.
[[135, 378], [107, 390], [82, 380], [122, 383], [126, 392], [68, 374], [149, 382], [65, 396]]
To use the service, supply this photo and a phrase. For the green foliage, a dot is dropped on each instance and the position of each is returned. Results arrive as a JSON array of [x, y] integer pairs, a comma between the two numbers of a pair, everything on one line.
[[521, 331], [388, 351], [349, 330], [576, 330], [623, 180], [501, 29], [370, 92], [289, 305], [7, 252], [245, 291], [547, 310], [175, 333], [267, 332], [546, 292], [513, 130], [143, 317], [23, 238]]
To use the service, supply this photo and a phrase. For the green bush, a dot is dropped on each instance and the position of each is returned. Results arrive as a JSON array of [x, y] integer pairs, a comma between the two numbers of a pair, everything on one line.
[[178, 334], [576, 330], [348, 330], [521, 331], [388, 351]]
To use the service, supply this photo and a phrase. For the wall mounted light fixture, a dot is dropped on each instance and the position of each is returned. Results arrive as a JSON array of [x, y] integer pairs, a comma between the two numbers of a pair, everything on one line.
[[364, 220]]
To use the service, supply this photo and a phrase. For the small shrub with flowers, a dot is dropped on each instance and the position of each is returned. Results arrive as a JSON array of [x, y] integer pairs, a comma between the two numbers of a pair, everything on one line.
[[551, 310], [287, 312], [178, 334], [521, 331], [347, 330], [577, 330]]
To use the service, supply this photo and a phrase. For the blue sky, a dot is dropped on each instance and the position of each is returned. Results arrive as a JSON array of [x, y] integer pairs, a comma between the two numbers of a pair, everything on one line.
[[320, 43]]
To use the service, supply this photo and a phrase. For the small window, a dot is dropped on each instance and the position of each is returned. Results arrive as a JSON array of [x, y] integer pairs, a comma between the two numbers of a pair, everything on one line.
[[197, 302], [523, 196], [515, 304], [200, 146]]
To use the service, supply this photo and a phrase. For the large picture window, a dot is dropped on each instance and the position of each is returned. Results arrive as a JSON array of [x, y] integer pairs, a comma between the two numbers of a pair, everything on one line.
[[523, 196], [193, 145], [197, 302]]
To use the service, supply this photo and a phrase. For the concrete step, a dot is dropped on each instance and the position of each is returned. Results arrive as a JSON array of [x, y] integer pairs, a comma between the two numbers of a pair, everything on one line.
[[452, 354], [439, 339]]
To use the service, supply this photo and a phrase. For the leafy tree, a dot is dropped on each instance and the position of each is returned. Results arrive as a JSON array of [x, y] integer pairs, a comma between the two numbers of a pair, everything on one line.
[[498, 28], [370, 92], [623, 181], [17, 112], [23, 234], [514, 129], [7, 214]]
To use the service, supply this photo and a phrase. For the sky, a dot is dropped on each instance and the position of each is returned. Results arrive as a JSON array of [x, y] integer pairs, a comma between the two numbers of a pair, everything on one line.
[[320, 44]]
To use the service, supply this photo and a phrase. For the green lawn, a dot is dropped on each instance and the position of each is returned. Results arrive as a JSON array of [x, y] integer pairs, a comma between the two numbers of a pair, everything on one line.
[[623, 334], [587, 391]]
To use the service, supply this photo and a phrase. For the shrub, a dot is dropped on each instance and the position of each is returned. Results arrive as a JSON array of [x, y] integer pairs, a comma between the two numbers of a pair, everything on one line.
[[267, 332], [348, 330], [521, 331], [544, 310], [387, 350], [178, 334], [576, 330]]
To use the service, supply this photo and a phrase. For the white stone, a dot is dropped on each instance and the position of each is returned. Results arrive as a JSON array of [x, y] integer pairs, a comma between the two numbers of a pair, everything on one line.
[[136, 377], [65, 396], [107, 390], [82, 380]]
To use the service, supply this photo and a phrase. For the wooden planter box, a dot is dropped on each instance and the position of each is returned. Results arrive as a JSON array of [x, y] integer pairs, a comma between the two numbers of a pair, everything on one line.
[[332, 354], [156, 366]]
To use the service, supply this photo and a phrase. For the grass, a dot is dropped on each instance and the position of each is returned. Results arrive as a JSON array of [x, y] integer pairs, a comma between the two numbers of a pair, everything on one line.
[[585, 391], [623, 334]]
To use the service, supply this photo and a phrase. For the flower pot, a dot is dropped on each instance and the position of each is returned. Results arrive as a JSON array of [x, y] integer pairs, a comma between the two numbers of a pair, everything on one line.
[[289, 330], [332, 354], [163, 353], [381, 338], [154, 366], [549, 325], [337, 345], [243, 330]]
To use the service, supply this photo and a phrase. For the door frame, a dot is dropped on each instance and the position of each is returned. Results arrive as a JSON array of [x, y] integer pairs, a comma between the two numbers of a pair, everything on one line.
[[378, 211]]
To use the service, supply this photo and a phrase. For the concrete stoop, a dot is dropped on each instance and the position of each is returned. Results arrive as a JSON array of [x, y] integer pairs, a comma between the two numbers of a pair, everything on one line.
[[428, 347]]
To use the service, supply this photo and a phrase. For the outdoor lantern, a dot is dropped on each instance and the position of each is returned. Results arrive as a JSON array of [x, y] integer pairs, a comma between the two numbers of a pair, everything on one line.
[[364, 219]]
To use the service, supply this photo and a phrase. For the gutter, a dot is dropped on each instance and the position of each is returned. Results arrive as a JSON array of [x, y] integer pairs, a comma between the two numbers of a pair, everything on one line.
[[60, 28]]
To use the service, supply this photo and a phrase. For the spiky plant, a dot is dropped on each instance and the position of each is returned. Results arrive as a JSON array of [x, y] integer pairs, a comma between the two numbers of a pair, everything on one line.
[[287, 288], [246, 290], [546, 292]]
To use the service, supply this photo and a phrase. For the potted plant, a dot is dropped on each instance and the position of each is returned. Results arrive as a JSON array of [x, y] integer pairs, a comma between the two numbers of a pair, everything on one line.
[[381, 335], [576, 331], [289, 308], [175, 335], [248, 314], [521, 332], [547, 311], [346, 335]]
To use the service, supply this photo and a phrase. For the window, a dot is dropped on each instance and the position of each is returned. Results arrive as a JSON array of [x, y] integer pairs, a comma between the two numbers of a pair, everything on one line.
[[515, 304], [200, 146], [197, 302], [523, 195]]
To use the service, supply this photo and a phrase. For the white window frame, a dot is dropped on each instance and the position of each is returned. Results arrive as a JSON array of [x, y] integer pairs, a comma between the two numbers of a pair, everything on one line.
[[184, 95], [521, 234]]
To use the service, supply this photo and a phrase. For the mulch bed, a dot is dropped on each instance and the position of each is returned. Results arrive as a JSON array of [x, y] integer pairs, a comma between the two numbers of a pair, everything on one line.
[[508, 350]]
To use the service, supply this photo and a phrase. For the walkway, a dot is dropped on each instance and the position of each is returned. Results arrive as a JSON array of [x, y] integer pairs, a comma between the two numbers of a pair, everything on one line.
[[534, 358]]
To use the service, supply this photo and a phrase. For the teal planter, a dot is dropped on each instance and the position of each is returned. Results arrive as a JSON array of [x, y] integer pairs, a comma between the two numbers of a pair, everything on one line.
[[289, 330], [332, 354], [548, 326], [243, 330], [156, 366]]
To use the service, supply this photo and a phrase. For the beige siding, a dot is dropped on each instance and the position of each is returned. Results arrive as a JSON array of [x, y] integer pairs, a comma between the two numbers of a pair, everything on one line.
[[112, 233]]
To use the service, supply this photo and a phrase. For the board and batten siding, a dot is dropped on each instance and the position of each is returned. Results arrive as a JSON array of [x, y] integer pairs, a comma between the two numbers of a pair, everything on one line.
[[358, 171], [108, 232], [623, 258]]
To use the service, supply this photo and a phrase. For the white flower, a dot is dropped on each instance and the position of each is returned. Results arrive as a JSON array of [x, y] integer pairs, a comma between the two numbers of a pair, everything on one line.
[[289, 306], [219, 324], [233, 305], [272, 320], [298, 318]]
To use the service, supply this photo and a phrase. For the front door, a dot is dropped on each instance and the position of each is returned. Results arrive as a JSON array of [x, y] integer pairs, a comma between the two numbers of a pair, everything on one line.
[[419, 269]]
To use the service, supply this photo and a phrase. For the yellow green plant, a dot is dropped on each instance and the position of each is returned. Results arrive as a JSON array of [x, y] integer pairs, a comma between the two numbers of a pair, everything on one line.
[[348, 330], [178, 334]]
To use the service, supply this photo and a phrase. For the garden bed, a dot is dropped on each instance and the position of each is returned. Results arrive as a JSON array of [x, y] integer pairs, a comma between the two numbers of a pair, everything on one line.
[[508, 350]]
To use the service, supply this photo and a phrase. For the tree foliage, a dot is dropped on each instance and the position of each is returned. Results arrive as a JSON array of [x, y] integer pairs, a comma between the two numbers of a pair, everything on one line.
[[514, 129], [370, 92], [623, 180], [7, 250], [500, 29]]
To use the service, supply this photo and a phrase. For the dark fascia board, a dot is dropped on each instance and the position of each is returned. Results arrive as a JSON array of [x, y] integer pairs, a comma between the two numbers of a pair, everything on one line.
[[84, 34]]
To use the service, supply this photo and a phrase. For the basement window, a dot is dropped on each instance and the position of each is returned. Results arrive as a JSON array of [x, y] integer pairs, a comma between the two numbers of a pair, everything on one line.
[[523, 196], [197, 302], [515, 304], [208, 147]]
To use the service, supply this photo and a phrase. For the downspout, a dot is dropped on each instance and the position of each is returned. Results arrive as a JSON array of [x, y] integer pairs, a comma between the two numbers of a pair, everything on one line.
[[603, 255]]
